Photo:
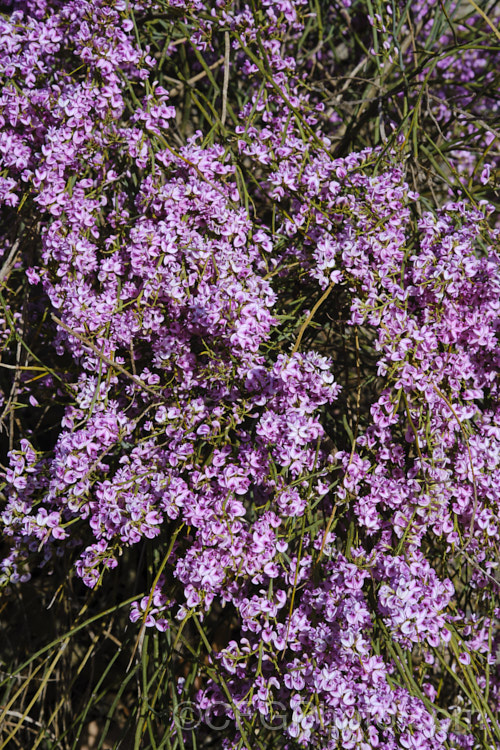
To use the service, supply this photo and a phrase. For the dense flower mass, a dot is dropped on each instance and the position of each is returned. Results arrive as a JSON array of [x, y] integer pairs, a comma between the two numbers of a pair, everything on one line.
[[250, 341]]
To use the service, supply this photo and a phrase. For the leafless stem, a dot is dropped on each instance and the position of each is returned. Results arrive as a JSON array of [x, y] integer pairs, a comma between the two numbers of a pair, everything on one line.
[[225, 85]]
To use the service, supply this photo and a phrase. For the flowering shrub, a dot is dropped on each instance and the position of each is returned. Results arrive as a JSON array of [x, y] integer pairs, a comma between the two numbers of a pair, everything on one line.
[[250, 331]]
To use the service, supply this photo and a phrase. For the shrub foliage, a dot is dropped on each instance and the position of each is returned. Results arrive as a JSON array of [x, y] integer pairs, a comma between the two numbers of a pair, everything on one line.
[[249, 374]]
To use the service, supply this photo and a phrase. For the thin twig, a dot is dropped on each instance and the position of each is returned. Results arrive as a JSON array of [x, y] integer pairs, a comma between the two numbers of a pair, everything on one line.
[[225, 85], [488, 21], [194, 79], [310, 317], [10, 260], [102, 356]]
